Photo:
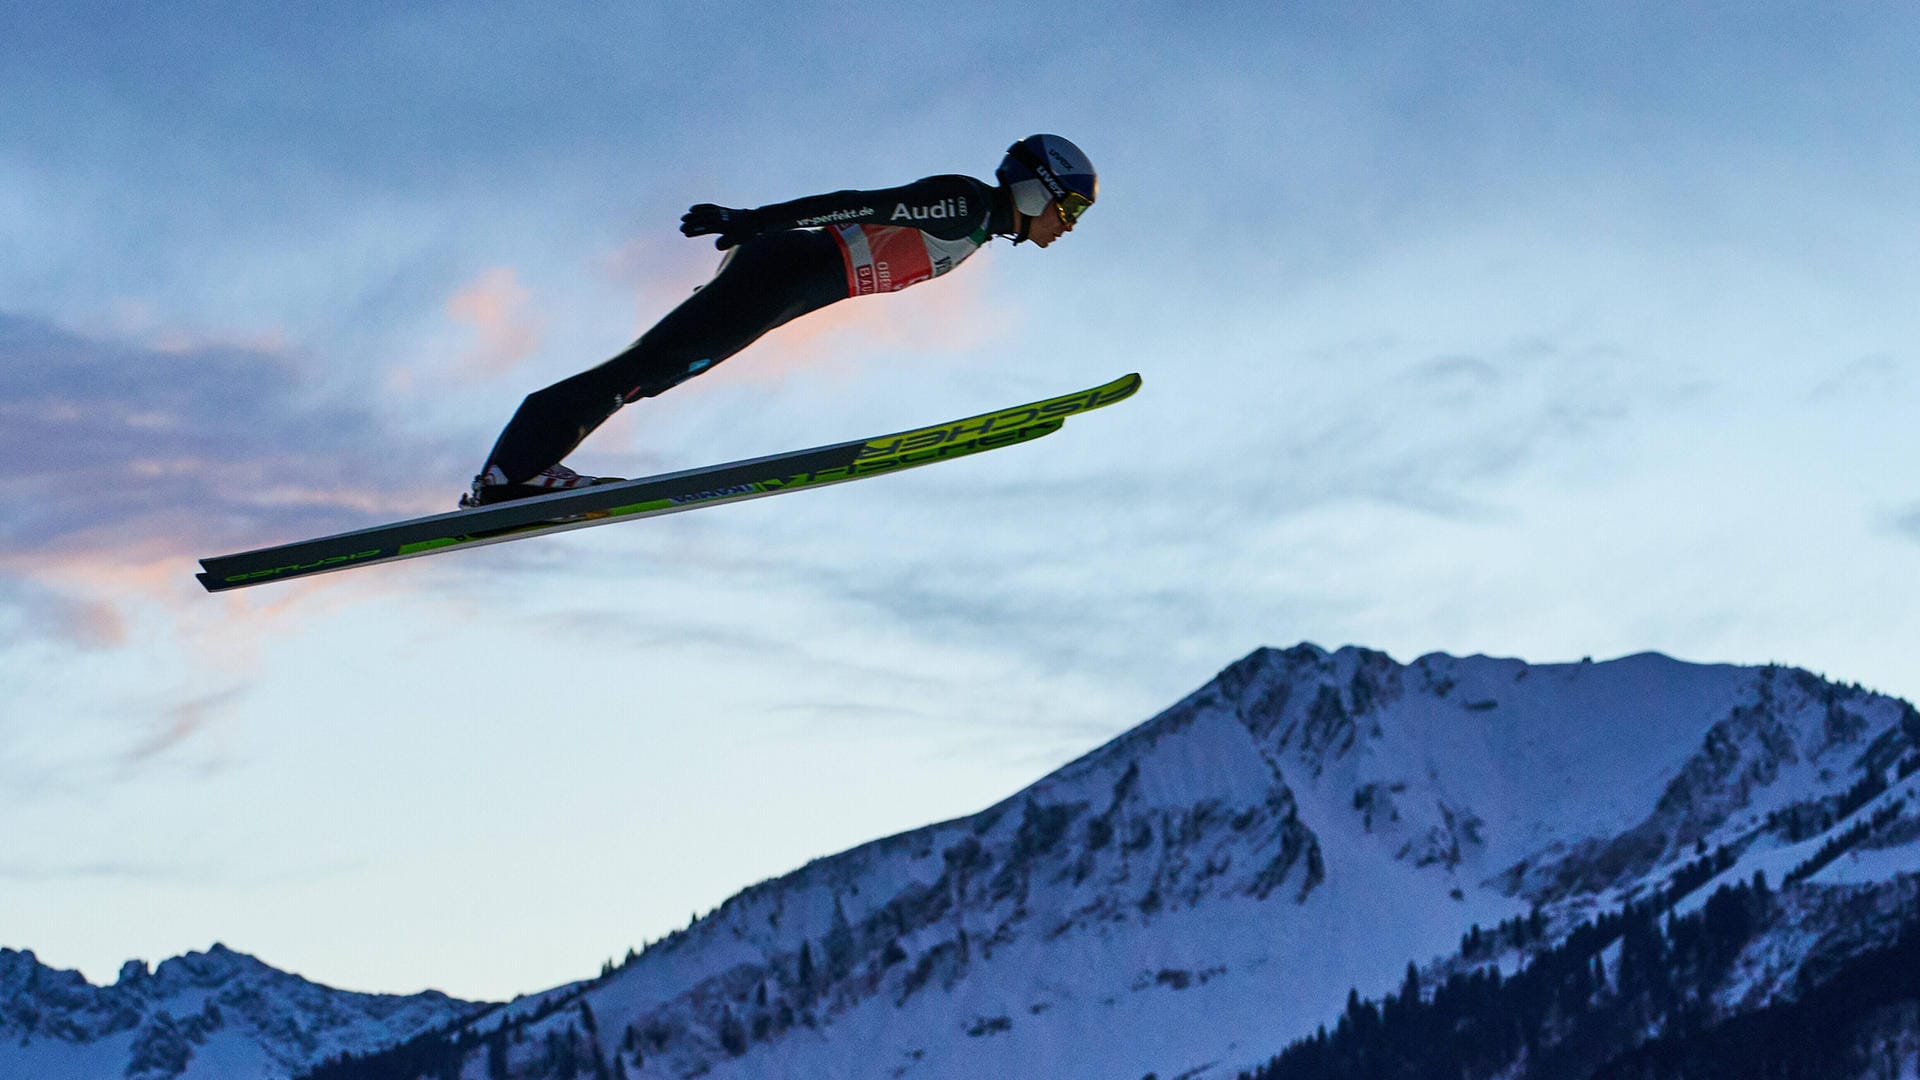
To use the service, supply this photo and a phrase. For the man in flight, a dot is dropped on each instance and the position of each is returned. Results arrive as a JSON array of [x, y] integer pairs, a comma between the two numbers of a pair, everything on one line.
[[784, 261]]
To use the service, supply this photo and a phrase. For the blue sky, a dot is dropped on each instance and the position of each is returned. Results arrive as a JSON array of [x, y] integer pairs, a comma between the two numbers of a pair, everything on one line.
[[1541, 330]]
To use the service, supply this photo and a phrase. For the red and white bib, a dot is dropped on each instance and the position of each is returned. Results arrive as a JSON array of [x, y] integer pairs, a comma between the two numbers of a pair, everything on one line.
[[888, 258]]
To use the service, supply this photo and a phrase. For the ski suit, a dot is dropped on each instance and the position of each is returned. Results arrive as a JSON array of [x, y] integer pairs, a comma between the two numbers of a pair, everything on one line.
[[807, 254]]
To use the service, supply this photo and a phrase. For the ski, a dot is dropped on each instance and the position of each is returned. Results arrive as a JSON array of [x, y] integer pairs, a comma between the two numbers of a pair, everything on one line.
[[651, 496]]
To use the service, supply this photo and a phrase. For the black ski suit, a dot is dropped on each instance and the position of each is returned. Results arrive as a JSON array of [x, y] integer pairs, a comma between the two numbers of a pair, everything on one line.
[[802, 256]]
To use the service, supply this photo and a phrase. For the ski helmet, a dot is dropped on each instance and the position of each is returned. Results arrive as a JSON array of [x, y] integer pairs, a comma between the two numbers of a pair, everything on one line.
[[1041, 168]]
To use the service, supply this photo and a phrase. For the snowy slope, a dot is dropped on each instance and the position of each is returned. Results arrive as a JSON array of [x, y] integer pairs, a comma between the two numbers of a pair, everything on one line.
[[1181, 901], [217, 1015], [1184, 899]]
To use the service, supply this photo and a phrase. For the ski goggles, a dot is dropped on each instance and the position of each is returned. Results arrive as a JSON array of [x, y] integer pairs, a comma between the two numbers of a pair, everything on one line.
[[1070, 206]]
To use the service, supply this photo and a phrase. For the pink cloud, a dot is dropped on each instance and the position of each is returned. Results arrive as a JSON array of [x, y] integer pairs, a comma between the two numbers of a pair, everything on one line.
[[128, 460], [93, 623], [499, 310], [658, 274], [33, 607]]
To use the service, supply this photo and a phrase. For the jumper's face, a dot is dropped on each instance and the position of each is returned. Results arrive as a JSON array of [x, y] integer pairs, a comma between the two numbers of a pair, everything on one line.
[[1049, 225]]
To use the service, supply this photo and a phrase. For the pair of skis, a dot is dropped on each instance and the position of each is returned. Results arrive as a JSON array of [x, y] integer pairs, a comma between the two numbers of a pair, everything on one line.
[[650, 496]]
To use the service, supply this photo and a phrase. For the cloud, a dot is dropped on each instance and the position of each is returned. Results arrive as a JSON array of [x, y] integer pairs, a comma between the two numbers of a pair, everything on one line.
[[1182, 533], [1907, 523], [496, 306], [178, 725], [121, 455], [1876, 377], [728, 642], [40, 873], [33, 612], [86, 739], [658, 269]]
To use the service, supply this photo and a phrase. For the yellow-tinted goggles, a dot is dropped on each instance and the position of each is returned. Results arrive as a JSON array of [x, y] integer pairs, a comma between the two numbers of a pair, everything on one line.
[[1070, 206]]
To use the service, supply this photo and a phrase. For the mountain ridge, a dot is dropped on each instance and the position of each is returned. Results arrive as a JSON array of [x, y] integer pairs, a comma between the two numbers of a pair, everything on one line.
[[1119, 871], [226, 1010], [1222, 877]]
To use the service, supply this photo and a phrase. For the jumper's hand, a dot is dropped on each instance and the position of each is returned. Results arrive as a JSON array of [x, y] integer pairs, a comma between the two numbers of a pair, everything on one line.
[[732, 226]]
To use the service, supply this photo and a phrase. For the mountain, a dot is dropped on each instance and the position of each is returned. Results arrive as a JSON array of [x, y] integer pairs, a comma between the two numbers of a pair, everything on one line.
[[1312, 840], [204, 1016], [1308, 828]]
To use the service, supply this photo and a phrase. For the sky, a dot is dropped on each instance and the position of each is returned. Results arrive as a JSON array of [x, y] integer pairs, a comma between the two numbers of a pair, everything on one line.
[[1542, 330]]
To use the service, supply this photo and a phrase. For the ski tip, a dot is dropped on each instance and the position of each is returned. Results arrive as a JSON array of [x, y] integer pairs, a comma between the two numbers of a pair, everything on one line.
[[1119, 389]]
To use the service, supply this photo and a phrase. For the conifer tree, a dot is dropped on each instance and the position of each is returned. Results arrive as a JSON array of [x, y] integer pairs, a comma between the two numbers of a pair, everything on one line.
[[839, 943], [733, 1036], [497, 1056], [806, 974]]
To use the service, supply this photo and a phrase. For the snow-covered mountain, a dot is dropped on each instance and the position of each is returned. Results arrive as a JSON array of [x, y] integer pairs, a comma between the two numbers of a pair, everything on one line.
[[217, 1015], [1187, 899]]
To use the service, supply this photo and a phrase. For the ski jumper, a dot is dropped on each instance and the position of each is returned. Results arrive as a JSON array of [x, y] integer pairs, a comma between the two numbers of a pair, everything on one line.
[[809, 253]]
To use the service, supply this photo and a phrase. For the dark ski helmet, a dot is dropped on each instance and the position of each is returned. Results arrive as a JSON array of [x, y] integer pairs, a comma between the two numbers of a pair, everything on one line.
[[1040, 168]]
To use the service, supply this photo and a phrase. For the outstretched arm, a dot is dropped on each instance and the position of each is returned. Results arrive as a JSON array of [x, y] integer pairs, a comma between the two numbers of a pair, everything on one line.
[[949, 207]]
